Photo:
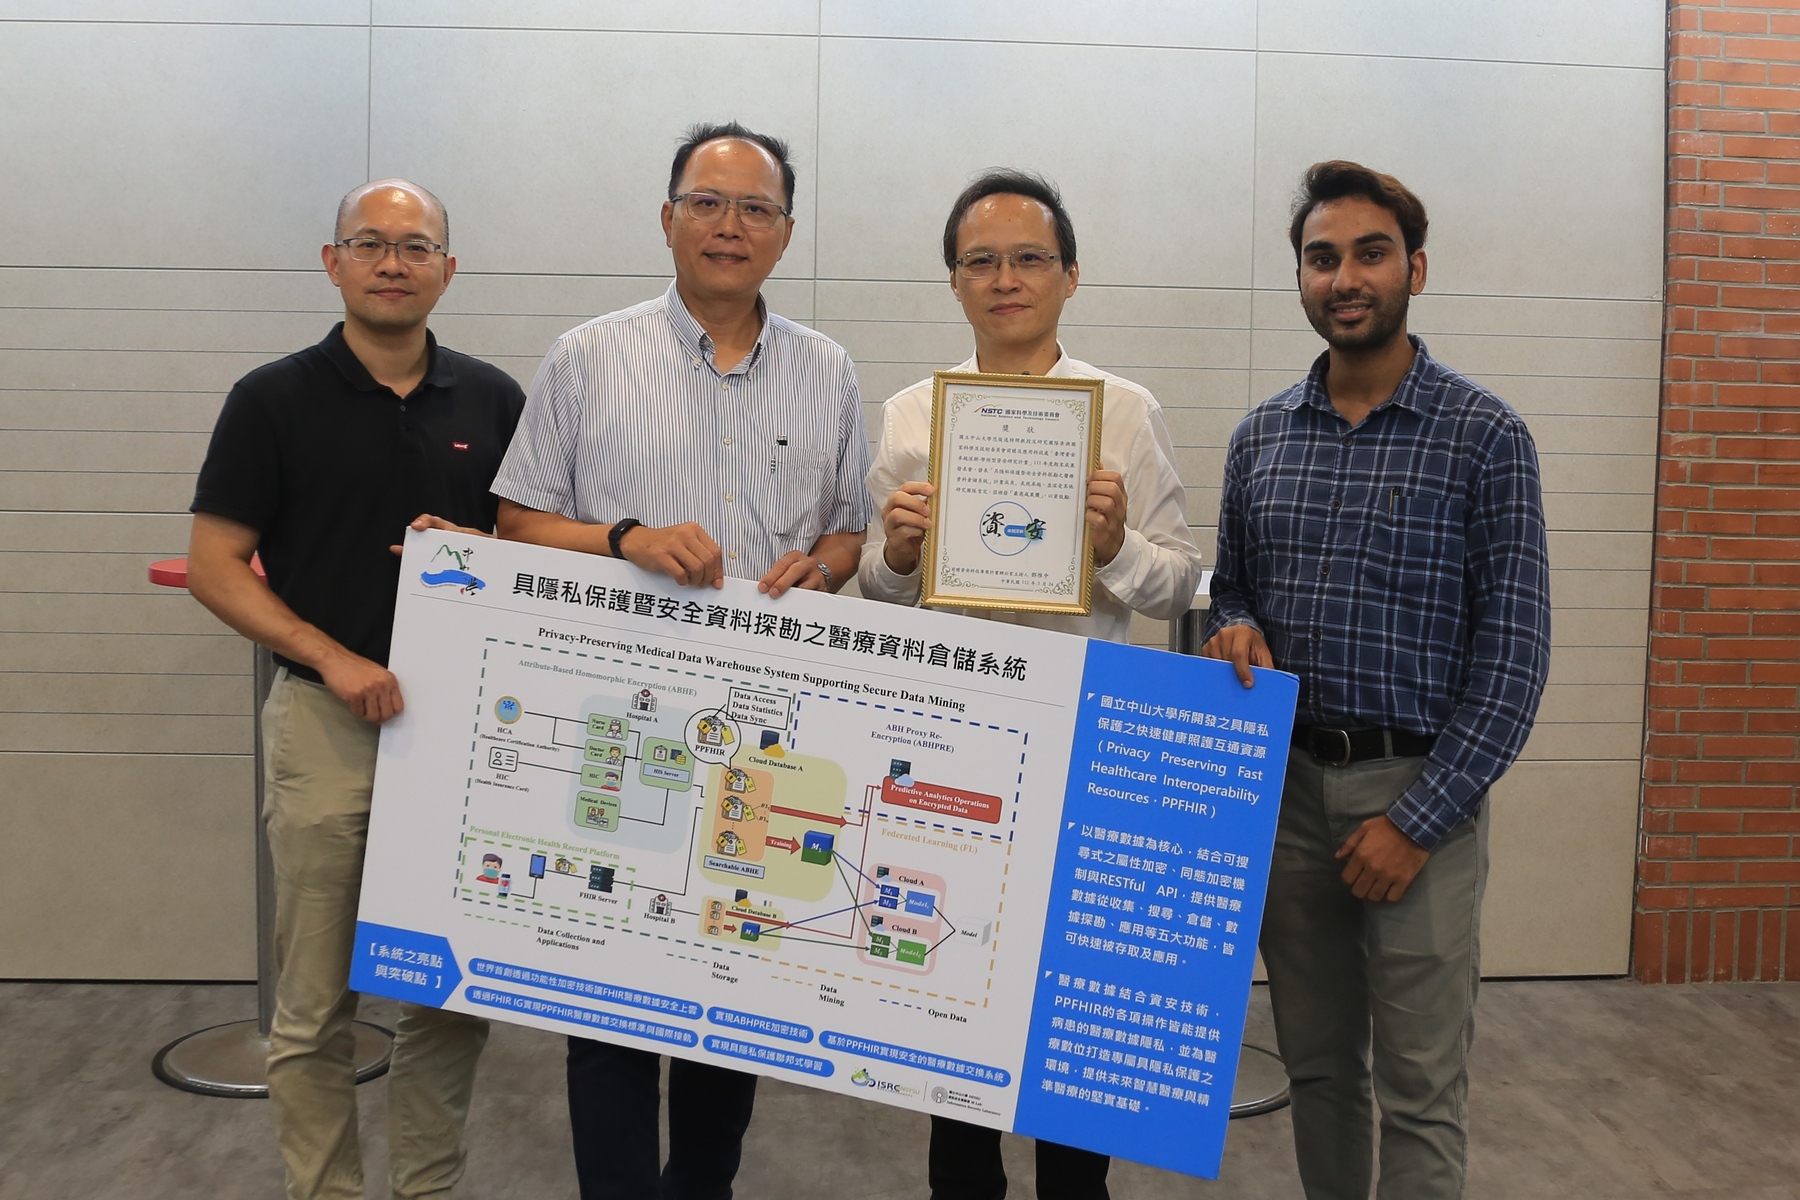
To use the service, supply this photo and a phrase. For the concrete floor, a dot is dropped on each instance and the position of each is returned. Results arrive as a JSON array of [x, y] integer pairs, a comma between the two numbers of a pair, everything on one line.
[[1596, 1089]]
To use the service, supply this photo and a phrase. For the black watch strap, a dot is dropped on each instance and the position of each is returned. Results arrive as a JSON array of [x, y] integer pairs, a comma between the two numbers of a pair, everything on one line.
[[617, 532]]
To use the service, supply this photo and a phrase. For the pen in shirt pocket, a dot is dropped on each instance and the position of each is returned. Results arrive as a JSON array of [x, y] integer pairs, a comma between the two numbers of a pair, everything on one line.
[[1393, 501], [780, 442]]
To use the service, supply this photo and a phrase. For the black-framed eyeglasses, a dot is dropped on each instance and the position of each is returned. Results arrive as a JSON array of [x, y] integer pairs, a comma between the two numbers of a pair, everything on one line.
[[372, 249], [985, 264], [755, 214]]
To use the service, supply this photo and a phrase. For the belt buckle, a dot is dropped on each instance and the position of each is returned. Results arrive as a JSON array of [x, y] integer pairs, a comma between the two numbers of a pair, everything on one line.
[[1343, 734]]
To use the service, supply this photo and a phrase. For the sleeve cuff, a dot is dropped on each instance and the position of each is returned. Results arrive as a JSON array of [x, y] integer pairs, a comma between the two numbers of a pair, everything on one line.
[[530, 497], [1119, 575], [1417, 817], [881, 582]]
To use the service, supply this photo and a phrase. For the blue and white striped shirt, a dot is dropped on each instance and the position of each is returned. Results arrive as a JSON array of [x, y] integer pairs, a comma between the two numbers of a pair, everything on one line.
[[1400, 569], [628, 417]]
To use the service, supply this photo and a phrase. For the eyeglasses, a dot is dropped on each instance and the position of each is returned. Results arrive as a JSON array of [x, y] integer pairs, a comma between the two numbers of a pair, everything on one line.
[[985, 264], [755, 214], [368, 249]]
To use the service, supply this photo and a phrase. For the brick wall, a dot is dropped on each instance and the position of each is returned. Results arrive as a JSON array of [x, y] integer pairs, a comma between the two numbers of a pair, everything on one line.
[[1719, 852]]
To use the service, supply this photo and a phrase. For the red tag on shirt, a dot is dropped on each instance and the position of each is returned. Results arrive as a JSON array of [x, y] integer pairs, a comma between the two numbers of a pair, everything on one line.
[[459, 445]]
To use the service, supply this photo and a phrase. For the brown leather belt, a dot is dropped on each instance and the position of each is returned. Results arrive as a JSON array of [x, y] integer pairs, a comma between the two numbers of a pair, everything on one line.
[[1337, 747]]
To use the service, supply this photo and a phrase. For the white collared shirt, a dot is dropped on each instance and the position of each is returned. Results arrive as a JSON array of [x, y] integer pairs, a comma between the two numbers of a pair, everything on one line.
[[1157, 569]]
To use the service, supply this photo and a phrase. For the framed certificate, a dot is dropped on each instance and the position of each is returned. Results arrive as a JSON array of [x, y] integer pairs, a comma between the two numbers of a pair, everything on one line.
[[1011, 456]]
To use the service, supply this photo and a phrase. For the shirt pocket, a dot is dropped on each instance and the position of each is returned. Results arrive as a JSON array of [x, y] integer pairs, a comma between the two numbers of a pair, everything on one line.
[[1416, 546], [797, 480]]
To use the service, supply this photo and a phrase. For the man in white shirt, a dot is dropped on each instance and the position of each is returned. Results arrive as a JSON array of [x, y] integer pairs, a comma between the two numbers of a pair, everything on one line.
[[1010, 248]]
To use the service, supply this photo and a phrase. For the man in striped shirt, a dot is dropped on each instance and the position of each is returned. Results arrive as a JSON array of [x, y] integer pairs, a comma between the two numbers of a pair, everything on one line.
[[1381, 535], [700, 436]]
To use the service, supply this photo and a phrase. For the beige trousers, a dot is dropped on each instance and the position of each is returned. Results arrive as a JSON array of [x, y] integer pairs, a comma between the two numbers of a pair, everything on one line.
[[320, 768]]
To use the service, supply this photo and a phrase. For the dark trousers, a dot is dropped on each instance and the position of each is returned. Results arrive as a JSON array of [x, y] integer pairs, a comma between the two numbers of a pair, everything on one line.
[[965, 1165], [614, 1092]]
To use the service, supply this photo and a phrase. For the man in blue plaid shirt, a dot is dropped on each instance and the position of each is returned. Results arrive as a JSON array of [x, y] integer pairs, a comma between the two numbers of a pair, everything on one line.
[[1381, 535]]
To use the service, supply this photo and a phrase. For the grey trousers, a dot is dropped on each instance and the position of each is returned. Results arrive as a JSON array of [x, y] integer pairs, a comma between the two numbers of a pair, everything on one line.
[[1349, 977]]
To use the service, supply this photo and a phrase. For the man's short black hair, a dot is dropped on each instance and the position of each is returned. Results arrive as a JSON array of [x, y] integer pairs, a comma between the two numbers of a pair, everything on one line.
[[1004, 181], [1334, 180], [698, 135]]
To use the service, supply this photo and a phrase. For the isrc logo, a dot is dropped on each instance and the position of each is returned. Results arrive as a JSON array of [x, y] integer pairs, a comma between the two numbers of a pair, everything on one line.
[[456, 576], [862, 1078]]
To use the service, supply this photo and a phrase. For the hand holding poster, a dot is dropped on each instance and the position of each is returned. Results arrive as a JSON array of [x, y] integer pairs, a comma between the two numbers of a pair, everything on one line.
[[962, 866]]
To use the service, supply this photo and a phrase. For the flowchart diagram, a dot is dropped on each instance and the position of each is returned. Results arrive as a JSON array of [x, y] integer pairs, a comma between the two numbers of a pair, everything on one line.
[[629, 795]]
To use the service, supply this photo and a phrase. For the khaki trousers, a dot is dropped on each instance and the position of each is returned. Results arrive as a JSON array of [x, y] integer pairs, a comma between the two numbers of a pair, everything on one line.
[[1353, 981], [320, 770]]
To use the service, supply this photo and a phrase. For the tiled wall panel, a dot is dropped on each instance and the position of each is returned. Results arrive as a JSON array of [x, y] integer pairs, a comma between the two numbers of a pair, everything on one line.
[[159, 233]]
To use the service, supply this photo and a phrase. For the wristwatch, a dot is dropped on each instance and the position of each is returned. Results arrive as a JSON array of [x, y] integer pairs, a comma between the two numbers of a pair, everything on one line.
[[825, 571], [618, 531]]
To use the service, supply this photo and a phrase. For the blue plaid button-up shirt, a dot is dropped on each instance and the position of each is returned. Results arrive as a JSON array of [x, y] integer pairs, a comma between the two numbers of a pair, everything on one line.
[[1399, 569]]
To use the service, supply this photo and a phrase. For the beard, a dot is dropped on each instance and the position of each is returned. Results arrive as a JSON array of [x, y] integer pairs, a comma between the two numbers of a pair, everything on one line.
[[1387, 317]]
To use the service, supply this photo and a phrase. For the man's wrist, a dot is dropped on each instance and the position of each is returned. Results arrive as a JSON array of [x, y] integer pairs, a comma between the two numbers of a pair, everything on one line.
[[825, 571], [615, 537], [887, 550]]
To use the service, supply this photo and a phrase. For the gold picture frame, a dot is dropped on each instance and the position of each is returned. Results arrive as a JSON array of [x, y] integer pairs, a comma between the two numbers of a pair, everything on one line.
[[1010, 457]]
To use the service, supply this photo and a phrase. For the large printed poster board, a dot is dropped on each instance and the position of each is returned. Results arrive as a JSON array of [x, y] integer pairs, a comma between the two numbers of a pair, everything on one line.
[[960, 866]]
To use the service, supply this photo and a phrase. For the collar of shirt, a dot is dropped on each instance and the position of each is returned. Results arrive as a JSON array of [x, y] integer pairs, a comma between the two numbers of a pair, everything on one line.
[[1418, 390], [972, 364], [699, 343], [438, 371]]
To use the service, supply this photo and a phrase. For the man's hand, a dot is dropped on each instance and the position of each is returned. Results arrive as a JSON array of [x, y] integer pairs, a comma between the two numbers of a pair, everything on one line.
[[792, 570], [1242, 647], [425, 521], [904, 519], [685, 553], [369, 688], [1106, 514], [1383, 862]]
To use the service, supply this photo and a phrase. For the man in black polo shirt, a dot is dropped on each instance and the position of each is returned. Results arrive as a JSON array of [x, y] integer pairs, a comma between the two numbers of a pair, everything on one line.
[[320, 461]]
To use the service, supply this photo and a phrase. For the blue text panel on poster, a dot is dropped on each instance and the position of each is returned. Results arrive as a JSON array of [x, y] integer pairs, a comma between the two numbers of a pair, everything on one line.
[[1156, 900]]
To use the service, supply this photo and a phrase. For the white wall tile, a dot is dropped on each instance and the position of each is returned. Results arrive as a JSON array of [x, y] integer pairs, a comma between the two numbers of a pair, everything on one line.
[[1480, 355], [1523, 199], [1628, 33], [568, 174], [101, 328], [173, 612], [1541, 917], [131, 371], [905, 124], [126, 653], [1213, 24], [90, 451], [301, 289], [185, 145], [767, 16], [137, 919], [93, 571], [151, 536], [162, 12], [87, 491], [1603, 513], [1585, 741], [124, 733], [192, 412], [1626, 626], [166, 695]]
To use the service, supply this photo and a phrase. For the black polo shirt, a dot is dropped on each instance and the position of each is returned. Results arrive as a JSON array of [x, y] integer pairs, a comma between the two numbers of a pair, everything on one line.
[[330, 466]]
